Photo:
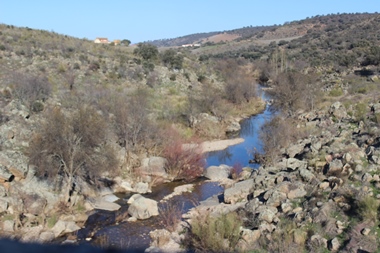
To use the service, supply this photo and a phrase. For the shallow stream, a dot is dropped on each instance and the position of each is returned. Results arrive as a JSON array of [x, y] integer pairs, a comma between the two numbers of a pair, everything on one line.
[[136, 234]]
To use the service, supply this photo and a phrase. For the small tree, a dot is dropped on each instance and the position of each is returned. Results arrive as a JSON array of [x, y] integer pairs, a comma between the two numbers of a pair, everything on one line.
[[277, 134], [172, 59], [126, 42], [70, 146], [146, 51], [289, 90], [131, 122]]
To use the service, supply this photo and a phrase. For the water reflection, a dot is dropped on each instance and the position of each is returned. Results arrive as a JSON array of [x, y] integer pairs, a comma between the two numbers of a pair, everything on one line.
[[243, 152], [136, 234]]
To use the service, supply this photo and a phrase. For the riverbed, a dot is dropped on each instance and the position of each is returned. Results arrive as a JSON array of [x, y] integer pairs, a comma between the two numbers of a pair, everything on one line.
[[135, 235]]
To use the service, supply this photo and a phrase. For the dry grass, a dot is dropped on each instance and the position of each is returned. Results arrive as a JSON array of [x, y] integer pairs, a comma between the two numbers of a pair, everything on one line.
[[170, 215]]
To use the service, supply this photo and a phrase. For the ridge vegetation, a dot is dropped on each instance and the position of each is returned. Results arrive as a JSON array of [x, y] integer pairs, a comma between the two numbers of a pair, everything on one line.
[[81, 116]]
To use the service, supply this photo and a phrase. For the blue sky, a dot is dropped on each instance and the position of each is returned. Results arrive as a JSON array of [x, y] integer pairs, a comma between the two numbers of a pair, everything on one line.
[[142, 20]]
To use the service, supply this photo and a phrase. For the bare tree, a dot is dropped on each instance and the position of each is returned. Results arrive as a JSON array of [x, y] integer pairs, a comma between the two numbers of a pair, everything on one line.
[[288, 91], [72, 145], [276, 134], [29, 88], [131, 121], [240, 85]]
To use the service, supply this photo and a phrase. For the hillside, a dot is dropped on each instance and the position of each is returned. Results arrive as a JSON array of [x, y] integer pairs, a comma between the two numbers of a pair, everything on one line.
[[80, 119]]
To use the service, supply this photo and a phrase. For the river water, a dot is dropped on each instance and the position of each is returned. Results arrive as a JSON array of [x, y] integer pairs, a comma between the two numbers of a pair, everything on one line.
[[135, 235]]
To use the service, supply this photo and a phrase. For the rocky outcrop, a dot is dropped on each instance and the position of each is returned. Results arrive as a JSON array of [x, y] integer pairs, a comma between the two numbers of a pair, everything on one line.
[[318, 184], [153, 168], [239, 192]]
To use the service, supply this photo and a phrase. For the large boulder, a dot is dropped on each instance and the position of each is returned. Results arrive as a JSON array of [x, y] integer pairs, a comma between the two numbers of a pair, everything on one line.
[[233, 127], [216, 173], [154, 167], [142, 208], [141, 187], [275, 198], [294, 164], [294, 150], [335, 166], [267, 215], [3, 204], [34, 204], [5, 176], [239, 191], [62, 227], [338, 111], [102, 204], [31, 234], [306, 174]]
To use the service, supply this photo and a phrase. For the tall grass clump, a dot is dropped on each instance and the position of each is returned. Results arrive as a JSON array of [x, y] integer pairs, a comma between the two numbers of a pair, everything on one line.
[[214, 234]]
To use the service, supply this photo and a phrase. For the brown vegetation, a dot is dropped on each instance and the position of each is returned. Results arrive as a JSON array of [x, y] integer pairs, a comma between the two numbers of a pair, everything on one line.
[[183, 163], [72, 145]]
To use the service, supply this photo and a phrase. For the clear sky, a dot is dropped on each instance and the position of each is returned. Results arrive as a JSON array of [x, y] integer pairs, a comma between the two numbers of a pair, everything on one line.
[[143, 20]]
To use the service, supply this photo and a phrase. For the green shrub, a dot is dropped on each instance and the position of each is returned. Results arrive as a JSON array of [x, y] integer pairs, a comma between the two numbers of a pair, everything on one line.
[[360, 111], [187, 76], [173, 77], [37, 106], [336, 92], [368, 208], [201, 78], [215, 234], [52, 220]]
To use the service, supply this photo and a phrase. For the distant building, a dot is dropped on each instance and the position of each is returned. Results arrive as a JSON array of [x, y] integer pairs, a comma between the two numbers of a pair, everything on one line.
[[116, 42], [101, 40], [191, 45]]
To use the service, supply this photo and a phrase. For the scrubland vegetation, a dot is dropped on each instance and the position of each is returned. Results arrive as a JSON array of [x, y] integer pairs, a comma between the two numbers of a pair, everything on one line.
[[89, 102], [323, 77], [95, 111]]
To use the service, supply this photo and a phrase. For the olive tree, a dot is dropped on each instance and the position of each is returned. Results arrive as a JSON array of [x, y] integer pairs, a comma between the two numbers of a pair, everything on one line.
[[72, 146]]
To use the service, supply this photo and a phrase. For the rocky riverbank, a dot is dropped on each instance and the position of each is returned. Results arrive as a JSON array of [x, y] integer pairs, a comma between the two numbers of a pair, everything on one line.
[[323, 195], [33, 211]]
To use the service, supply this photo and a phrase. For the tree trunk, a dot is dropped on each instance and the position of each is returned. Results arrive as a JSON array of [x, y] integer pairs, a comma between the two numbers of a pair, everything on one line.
[[68, 188]]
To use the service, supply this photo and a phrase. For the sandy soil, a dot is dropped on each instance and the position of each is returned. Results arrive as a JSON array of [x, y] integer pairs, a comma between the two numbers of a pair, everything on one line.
[[209, 146]]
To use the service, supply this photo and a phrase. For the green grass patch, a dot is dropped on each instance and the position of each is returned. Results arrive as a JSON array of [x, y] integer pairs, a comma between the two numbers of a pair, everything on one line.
[[336, 92]]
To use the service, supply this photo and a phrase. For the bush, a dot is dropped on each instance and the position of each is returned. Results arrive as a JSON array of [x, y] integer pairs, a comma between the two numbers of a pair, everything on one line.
[[287, 238], [202, 78], [183, 163], [336, 92], [368, 208], [70, 146], [37, 106], [360, 111], [214, 234], [170, 215], [276, 134], [28, 88], [173, 77], [146, 51], [172, 59]]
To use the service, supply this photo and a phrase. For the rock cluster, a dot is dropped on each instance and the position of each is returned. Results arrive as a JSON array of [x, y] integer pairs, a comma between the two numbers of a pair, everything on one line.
[[321, 186]]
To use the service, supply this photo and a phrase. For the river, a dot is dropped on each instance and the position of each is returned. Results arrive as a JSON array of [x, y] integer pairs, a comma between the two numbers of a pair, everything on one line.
[[102, 224]]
